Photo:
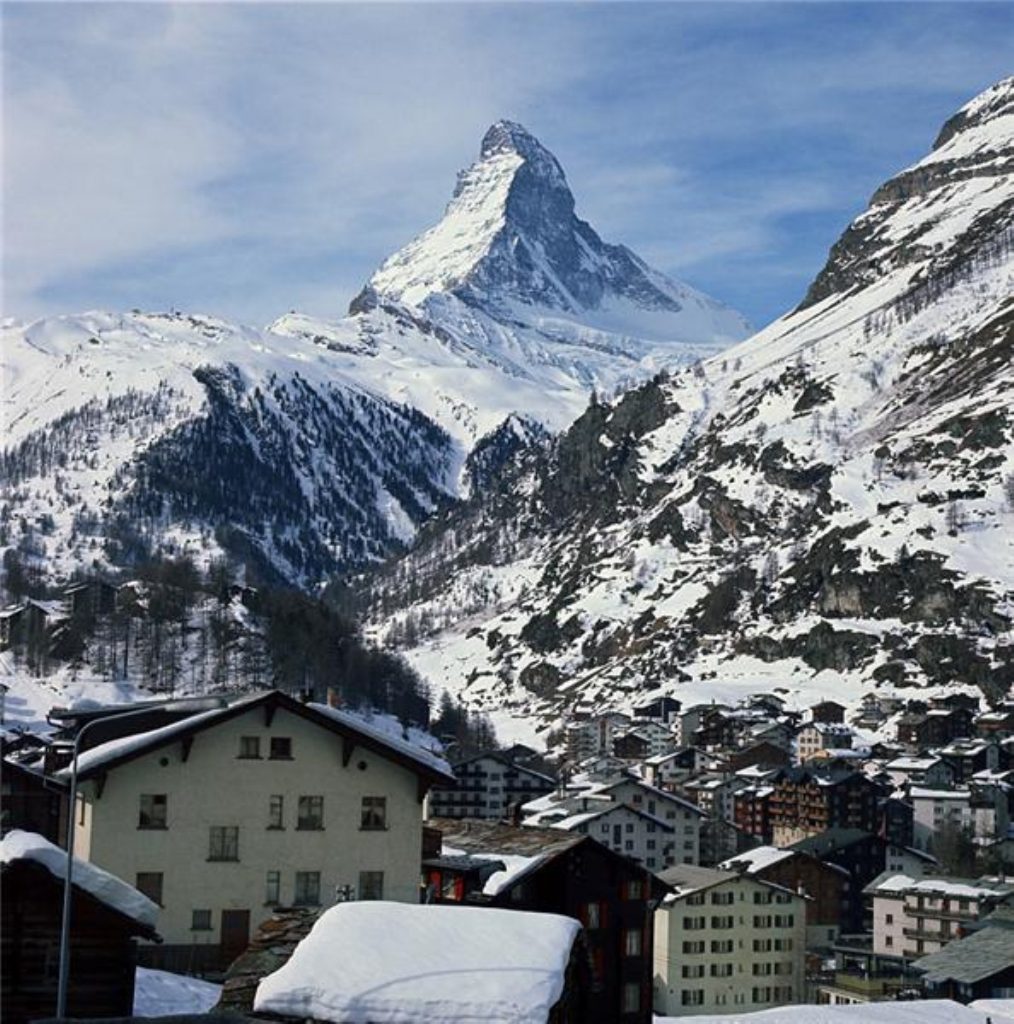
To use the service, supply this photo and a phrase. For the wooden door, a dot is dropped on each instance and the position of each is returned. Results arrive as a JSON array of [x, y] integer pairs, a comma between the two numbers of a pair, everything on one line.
[[235, 933]]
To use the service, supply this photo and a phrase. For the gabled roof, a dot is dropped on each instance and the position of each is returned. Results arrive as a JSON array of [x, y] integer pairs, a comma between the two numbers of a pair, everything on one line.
[[980, 955], [483, 837], [501, 757], [661, 794], [832, 840], [686, 879], [28, 847], [370, 735]]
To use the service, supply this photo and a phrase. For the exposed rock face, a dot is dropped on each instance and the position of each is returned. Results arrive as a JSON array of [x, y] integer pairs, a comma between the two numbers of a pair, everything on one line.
[[319, 447], [831, 496], [510, 238], [974, 145]]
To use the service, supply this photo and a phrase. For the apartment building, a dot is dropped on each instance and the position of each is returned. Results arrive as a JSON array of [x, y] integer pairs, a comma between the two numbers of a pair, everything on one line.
[[916, 916], [266, 801], [488, 785], [806, 803], [727, 942]]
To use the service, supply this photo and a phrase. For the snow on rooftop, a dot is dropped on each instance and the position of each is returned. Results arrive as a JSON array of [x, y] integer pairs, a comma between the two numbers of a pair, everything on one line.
[[942, 886], [757, 859], [918, 1011], [390, 963], [161, 994], [106, 888], [515, 866], [414, 743]]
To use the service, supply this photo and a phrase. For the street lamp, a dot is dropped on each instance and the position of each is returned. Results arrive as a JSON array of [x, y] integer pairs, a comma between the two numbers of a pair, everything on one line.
[[61, 990]]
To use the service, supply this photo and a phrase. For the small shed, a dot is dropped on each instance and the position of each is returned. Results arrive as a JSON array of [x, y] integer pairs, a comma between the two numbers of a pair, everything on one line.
[[393, 962], [107, 915]]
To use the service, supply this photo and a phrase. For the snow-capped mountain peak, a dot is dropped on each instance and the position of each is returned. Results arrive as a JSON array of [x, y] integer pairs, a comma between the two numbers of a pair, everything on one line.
[[511, 244]]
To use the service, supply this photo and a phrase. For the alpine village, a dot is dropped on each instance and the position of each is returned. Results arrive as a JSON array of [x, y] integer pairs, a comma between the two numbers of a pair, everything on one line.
[[535, 643]]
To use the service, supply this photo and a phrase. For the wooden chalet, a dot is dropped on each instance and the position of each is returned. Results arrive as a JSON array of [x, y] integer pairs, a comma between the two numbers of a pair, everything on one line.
[[106, 919], [552, 871]]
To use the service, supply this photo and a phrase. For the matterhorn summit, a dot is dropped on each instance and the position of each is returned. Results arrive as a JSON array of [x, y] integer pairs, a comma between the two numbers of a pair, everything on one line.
[[511, 245], [313, 446]]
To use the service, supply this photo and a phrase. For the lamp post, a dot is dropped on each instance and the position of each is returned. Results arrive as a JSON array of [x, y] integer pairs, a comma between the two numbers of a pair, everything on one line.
[[61, 990]]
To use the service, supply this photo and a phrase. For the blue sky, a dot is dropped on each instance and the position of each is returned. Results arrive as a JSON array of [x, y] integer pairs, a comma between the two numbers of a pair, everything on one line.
[[247, 159]]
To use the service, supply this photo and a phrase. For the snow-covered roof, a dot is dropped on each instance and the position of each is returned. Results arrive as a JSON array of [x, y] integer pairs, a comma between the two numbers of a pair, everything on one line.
[[390, 963], [106, 888], [383, 730], [757, 859], [922, 793], [962, 888], [917, 1011], [418, 744], [515, 866]]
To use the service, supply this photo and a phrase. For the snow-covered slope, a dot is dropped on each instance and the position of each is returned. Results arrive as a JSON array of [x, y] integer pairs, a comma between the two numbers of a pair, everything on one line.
[[826, 506], [310, 446]]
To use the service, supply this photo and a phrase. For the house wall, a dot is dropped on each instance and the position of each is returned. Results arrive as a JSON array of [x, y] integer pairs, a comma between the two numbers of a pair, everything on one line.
[[686, 822], [103, 953], [627, 832], [753, 927], [215, 787]]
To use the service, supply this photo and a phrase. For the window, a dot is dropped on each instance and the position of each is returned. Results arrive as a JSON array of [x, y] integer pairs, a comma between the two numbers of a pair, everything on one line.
[[224, 842], [593, 915], [761, 945], [634, 889], [693, 924], [631, 997], [721, 970], [374, 814], [692, 997], [310, 813], [693, 947], [692, 971], [721, 945], [200, 921], [276, 808], [762, 897], [632, 942], [250, 746], [762, 921], [281, 748], [888, 940], [371, 885], [723, 898], [629, 844], [150, 884], [722, 922], [889, 919], [153, 810], [307, 889], [273, 888]]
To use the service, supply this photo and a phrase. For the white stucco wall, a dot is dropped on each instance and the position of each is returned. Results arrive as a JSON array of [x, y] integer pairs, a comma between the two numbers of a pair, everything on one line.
[[215, 787]]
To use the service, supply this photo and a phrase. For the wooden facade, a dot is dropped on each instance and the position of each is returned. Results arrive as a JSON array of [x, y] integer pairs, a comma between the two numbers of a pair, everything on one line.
[[102, 956], [579, 878]]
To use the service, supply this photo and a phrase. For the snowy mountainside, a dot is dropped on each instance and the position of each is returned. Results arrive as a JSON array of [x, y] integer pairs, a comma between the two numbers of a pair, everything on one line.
[[311, 447], [136, 433], [827, 506]]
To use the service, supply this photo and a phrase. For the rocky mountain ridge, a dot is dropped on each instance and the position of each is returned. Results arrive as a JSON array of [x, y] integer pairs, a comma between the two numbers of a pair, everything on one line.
[[312, 447], [829, 504]]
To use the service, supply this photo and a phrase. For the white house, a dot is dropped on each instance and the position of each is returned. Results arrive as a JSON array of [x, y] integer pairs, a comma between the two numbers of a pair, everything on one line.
[[915, 916], [264, 802], [727, 942]]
